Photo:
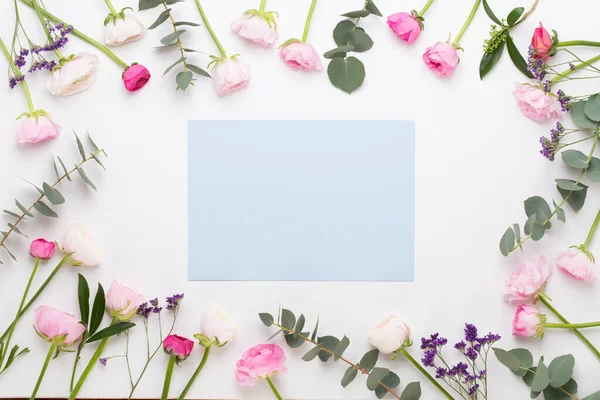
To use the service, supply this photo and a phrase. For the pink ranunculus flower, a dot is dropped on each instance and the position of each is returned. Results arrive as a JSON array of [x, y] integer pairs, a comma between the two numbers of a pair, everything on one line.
[[528, 321], [42, 249], [80, 243], [37, 128], [534, 103], [542, 42], [405, 26], [57, 326], [178, 346], [122, 302], [136, 77], [123, 30], [301, 56], [74, 76], [231, 75], [441, 58], [390, 334], [528, 279], [255, 29], [576, 264], [259, 362]]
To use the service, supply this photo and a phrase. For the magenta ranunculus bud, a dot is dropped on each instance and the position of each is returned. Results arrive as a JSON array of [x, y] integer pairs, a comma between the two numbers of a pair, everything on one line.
[[528, 321], [56, 326], [577, 264], [542, 42], [441, 58], [136, 77], [406, 26], [528, 279], [259, 362], [42, 249], [535, 103], [178, 346], [122, 302], [298, 55]]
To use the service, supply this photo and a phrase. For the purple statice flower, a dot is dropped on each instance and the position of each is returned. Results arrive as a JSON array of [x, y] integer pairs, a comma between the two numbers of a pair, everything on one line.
[[493, 337], [470, 333], [473, 389], [564, 100], [20, 59], [572, 66], [13, 80], [41, 65], [173, 301], [154, 302], [550, 146], [482, 374], [440, 372], [428, 359], [144, 310], [477, 346], [103, 361], [434, 342], [471, 353], [547, 86], [460, 369], [536, 64], [157, 310], [59, 34], [460, 345]]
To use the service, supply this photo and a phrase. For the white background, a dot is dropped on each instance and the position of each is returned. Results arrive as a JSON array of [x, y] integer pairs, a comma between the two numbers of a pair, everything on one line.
[[477, 160]]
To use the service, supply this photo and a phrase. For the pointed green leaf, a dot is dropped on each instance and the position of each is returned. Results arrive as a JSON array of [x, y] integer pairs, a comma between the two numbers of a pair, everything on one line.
[[53, 195], [110, 331], [489, 60], [592, 108], [516, 57], [97, 310], [23, 209], [161, 18], [579, 116], [412, 391], [288, 319], [43, 209], [490, 13], [593, 170], [183, 79], [55, 168], [11, 255], [514, 16], [96, 148], [314, 334], [15, 229], [64, 168], [357, 14], [80, 146], [198, 70], [507, 359], [40, 191], [593, 396], [541, 380], [170, 67], [560, 213], [507, 242], [575, 199], [83, 295], [369, 360], [525, 360], [312, 353], [329, 343], [568, 184], [295, 341], [575, 159], [172, 37], [338, 51], [376, 376], [359, 39], [349, 376], [97, 160], [12, 214], [274, 335], [85, 178], [391, 381], [346, 74], [266, 318], [372, 8], [182, 23], [299, 325], [340, 348]]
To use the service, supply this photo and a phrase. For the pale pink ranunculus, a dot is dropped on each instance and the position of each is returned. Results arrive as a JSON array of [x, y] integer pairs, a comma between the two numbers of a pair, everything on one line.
[[122, 302], [255, 29], [42, 249], [75, 76], [528, 279], [135, 77], [79, 241], [441, 58], [301, 56], [542, 42], [527, 321], [534, 103], [259, 362], [34, 129], [123, 30], [231, 75], [52, 325], [178, 346], [576, 264], [217, 327], [405, 26], [390, 334]]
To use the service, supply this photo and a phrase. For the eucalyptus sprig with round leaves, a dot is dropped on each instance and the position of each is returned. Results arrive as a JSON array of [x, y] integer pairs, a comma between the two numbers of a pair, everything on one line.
[[345, 72]]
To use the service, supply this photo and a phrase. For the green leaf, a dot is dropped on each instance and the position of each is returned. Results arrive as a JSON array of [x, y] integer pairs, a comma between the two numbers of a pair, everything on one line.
[[96, 148], [525, 359], [514, 16], [560, 370], [85, 178], [516, 57], [97, 310], [161, 18], [575, 159], [357, 14], [299, 325], [593, 396], [111, 331], [15, 229], [592, 108], [346, 74], [266, 318], [64, 168], [10, 254], [329, 343], [183, 79], [55, 168], [23, 209], [538, 206], [579, 116], [541, 380], [53, 195], [340, 31], [507, 242], [560, 213], [412, 391], [314, 334], [170, 67], [338, 51], [274, 335], [509, 360], [349, 376], [567, 184], [372, 8], [182, 23], [198, 70], [12, 214], [43, 209], [490, 59], [148, 4], [376, 376], [528, 377], [570, 387], [594, 169], [391, 381], [490, 13], [575, 199], [83, 294], [97, 160], [369, 360], [359, 39], [288, 319], [517, 230], [80, 146], [312, 353], [339, 349], [295, 341], [40, 191], [172, 37]]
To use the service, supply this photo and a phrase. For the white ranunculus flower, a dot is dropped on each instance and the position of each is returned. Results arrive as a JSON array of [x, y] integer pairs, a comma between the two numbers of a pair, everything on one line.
[[123, 30], [75, 76], [78, 241], [390, 334], [216, 326]]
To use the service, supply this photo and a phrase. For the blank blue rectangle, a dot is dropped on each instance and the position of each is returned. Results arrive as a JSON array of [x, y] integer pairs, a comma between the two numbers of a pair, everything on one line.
[[301, 200]]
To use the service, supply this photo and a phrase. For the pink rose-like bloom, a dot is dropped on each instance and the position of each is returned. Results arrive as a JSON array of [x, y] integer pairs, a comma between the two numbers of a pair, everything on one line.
[[34, 130], [259, 362], [255, 29], [231, 75], [52, 324], [178, 346], [528, 279], [534, 103], [405, 26], [122, 302], [301, 56], [42, 249], [136, 77], [542, 42], [441, 58], [576, 264], [527, 321]]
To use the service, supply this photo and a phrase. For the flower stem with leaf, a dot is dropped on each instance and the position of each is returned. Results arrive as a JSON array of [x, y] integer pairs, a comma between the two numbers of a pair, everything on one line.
[[467, 23], [590, 235]]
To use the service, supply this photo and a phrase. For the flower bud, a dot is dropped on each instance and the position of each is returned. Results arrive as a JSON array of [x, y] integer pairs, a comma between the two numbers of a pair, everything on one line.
[[178, 346], [58, 327], [390, 335], [42, 249], [122, 302], [528, 322]]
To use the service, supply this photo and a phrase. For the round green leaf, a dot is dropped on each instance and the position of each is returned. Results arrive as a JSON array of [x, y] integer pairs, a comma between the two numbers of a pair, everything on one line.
[[266, 318], [579, 116], [568, 184], [507, 242], [592, 108], [340, 31], [349, 376], [183, 79], [575, 159], [594, 170], [359, 39], [391, 381], [376, 376], [347, 74], [412, 391], [507, 359], [560, 370], [525, 358], [368, 361], [575, 199]]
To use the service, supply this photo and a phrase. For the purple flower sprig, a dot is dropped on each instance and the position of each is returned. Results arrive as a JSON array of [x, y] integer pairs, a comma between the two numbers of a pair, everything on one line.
[[173, 302]]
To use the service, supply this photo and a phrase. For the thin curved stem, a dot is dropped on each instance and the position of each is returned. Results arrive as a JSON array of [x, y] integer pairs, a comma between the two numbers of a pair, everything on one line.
[[195, 375], [211, 31], [273, 388], [308, 20], [571, 70], [467, 22], [528, 13], [590, 235], [263, 5], [422, 370], [112, 9], [18, 74], [51, 351], [425, 7]]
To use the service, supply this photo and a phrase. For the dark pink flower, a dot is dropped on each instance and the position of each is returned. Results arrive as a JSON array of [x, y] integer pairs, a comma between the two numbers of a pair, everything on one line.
[[542, 42], [178, 346], [136, 77], [405, 26], [42, 249]]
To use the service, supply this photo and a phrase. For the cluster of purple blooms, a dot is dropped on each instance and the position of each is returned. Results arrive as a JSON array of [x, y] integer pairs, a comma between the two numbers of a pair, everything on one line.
[[551, 145], [467, 375], [20, 59], [13, 80], [41, 65], [536, 64], [564, 100], [59, 35], [173, 302], [153, 306]]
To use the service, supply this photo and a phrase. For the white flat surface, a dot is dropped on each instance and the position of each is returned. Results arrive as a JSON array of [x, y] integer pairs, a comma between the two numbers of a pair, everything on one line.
[[476, 162]]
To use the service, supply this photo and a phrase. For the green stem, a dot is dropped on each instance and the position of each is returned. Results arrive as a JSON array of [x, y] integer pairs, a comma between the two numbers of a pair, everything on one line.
[[195, 375], [168, 376], [263, 5], [590, 235], [425, 373], [43, 371], [425, 8], [34, 297], [308, 20], [589, 344], [210, 30], [13, 325], [273, 388], [18, 74], [571, 70], [554, 325], [112, 9], [569, 43], [467, 22], [38, 11]]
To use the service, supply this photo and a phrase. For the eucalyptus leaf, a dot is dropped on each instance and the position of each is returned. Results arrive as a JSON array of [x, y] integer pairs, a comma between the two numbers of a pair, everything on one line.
[[526, 361], [346, 74], [579, 116], [349, 376], [170, 67], [312, 353], [372, 8], [507, 359], [369, 360], [593, 170], [15, 229], [85, 178], [575, 159], [359, 39], [560, 213], [490, 59], [172, 37], [299, 324], [391, 381], [514, 16], [339, 349], [568, 184], [575, 199], [80, 146], [541, 380], [329, 343], [43, 209], [97, 160], [340, 31], [186, 23], [593, 396], [183, 79], [274, 335], [376, 376], [266, 318], [516, 57], [109, 331], [198, 70], [12, 214], [161, 18], [314, 333], [551, 393], [23, 209], [53, 195], [10, 254], [538, 206], [412, 391], [288, 319], [592, 108], [528, 377], [560, 370], [62, 164], [295, 341], [357, 14], [55, 169], [338, 51], [507, 242]]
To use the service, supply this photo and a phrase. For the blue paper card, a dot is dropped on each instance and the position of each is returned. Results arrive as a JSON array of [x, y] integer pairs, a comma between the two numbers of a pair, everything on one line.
[[301, 200]]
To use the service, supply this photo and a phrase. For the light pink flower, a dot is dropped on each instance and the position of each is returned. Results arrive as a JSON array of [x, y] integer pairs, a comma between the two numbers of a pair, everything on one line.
[[405, 26], [527, 321], [178, 346], [576, 264], [534, 103], [301, 56], [441, 58], [390, 334], [231, 75], [80, 242], [122, 302], [75, 76], [135, 77], [528, 279], [36, 129], [123, 30], [542, 42], [255, 29], [52, 324], [259, 362], [42, 249]]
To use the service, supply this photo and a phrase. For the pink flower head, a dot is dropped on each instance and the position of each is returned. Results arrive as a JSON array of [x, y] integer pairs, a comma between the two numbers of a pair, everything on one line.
[[535, 103], [577, 264], [528, 279], [255, 29], [259, 362], [57, 326], [178, 346], [122, 302], [301, 56], [136, 77], [441, 58], [42, 249], [37, 128], [528, 321], [231, 75], [542, 42], [406, 26]]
